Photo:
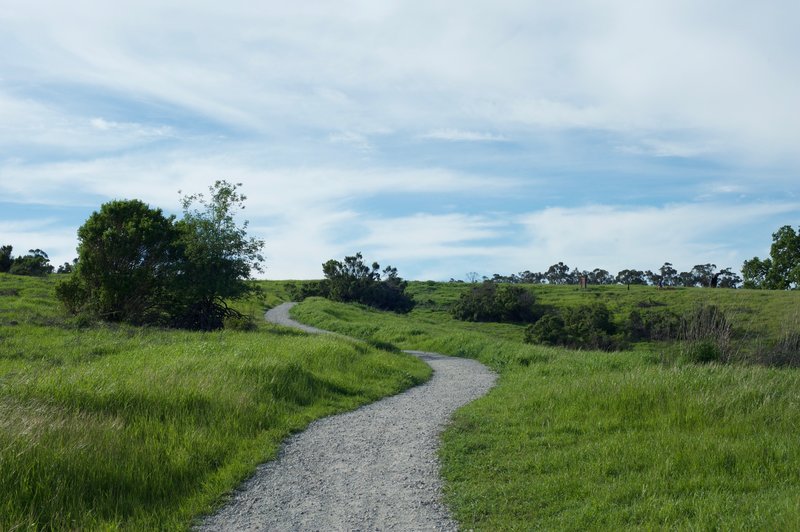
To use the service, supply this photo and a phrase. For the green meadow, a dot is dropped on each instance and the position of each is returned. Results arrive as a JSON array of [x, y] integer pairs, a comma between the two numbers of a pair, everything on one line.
[[596, 440], [119, 427]]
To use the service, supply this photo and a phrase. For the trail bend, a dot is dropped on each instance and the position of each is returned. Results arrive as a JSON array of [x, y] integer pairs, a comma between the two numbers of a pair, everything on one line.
[[374, 468]]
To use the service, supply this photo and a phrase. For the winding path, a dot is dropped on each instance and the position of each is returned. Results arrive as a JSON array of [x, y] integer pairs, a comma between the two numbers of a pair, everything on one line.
[[371, 469]]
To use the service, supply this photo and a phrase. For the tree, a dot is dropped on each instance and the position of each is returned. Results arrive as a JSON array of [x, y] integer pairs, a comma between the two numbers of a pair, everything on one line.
[[138, 266], [781, 270], [5, 259], [127, 264], [352, 280], [703, 274], [755, 272], [629, 277], [668, 274], [727, 279], [35, 263], [785, 255], [558, 274], [600, 276], [216, 258], [67, 267]]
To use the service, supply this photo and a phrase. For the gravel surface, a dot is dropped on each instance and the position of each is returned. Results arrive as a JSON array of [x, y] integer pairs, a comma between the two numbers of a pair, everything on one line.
[[371, 469]]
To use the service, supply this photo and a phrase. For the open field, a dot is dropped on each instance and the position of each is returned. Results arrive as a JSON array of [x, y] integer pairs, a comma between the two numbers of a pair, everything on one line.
[[595, 440], [121, 427]]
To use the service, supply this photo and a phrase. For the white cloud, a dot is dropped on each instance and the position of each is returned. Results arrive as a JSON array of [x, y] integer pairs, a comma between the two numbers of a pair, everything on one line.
[[727, 74]]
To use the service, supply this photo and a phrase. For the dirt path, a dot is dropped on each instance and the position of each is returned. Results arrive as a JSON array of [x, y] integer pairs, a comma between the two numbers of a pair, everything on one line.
[[371, 469]]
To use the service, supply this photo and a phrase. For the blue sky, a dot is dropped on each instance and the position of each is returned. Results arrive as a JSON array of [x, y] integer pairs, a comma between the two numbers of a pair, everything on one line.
[[439, 137]]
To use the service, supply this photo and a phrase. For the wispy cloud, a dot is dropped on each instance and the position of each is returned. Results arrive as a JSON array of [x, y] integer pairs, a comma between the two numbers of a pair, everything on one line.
[[462, 135]]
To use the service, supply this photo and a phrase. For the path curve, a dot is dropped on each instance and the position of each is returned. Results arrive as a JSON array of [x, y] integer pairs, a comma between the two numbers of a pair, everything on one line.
[[374, 468]]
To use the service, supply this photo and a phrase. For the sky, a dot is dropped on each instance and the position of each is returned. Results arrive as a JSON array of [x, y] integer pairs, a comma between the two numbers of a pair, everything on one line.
[[439, 137]]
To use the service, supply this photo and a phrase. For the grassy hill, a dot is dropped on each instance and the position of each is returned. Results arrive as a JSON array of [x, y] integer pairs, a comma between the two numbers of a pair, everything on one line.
[[597, 440], [106, 426]]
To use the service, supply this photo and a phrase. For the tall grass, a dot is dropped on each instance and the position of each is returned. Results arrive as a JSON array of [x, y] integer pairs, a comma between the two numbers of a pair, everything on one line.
[[604, 441], [121, 427]]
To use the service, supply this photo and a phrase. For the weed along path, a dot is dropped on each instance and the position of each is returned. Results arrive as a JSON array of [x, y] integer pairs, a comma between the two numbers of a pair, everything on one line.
[[371, 469]]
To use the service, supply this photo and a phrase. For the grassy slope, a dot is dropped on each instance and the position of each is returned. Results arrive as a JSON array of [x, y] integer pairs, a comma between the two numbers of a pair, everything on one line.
[[596, 440], [142, 428]]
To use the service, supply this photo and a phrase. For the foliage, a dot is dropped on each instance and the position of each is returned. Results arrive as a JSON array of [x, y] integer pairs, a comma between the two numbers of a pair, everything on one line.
[[128, 264], [138, 266], [35, 263], [216, 258], [781, 270], [582, 327], [67, 267], [491, 302], [648, 324], [351, 280], [5, 258]]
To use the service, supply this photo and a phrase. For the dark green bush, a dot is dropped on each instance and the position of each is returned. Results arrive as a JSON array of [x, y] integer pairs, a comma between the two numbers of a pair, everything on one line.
[[353, 281], [583, 327], [499, 303], [645, 325]]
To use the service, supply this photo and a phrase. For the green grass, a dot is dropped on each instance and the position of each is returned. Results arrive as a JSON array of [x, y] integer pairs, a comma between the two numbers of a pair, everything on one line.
[[140, 428], [594, 440]]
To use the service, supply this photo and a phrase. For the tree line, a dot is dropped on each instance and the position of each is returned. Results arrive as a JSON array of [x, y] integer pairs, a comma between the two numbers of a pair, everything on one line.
[[701, 275]]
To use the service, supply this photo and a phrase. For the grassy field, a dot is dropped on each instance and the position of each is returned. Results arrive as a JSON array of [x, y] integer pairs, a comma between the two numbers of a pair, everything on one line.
[[105, 427], [595, 440]]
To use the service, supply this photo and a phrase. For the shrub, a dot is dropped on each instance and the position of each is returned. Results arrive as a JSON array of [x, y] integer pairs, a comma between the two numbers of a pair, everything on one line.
[[35, 263], [583, 327], [491, 302], [652, 325], [353, 281]]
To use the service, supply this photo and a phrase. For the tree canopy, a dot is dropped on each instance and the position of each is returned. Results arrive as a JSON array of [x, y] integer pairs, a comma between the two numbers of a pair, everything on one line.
[[137, 265], [781, 270], [352, 280]]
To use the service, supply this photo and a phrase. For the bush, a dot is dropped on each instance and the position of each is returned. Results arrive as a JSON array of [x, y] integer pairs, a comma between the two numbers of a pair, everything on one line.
[[353, 281], [583, 327], [652, 325], [498, 303], [36, 263]]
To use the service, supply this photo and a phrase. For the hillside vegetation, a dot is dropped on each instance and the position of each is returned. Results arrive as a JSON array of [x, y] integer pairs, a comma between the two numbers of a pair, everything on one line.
[[597, 440], [114, 426]]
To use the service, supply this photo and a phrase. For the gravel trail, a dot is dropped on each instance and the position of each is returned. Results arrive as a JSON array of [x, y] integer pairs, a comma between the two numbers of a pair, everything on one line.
[[371, 469]]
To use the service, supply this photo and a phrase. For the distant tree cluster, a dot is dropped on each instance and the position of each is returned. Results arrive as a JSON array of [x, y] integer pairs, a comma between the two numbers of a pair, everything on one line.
[[781, 271], [139, 266], [705, 275], [35, 263], [353, 281]]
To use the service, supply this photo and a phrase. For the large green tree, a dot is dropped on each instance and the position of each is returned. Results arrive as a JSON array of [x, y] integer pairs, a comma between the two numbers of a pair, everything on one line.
[[127, 263]]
